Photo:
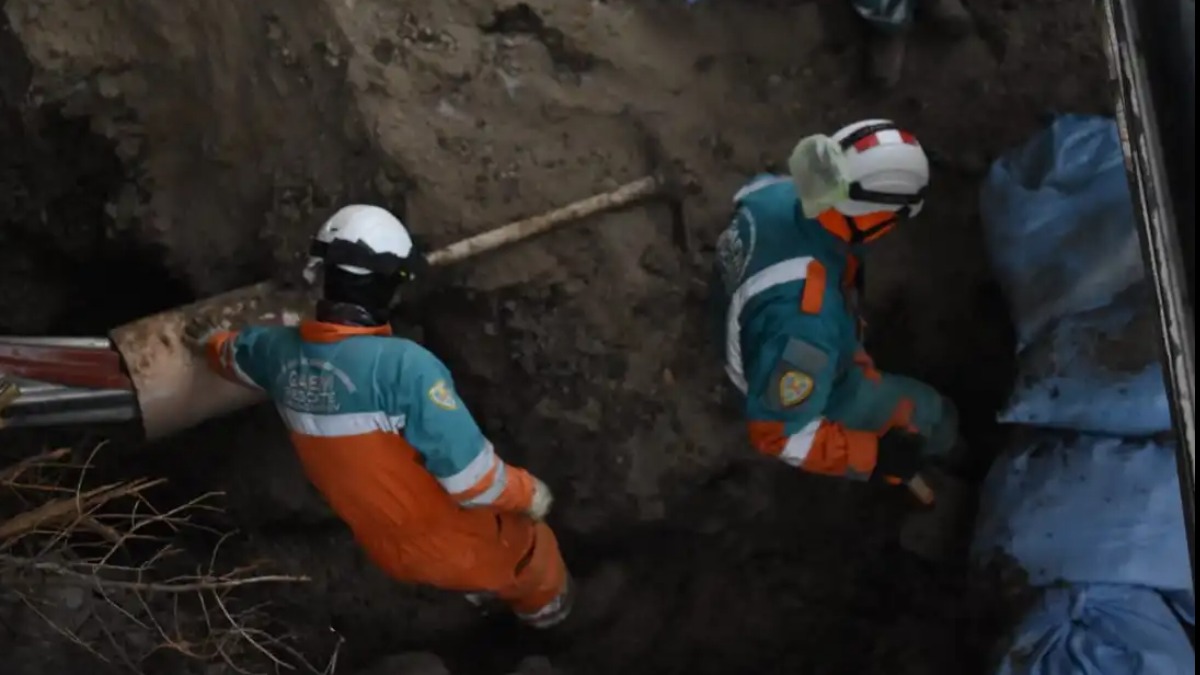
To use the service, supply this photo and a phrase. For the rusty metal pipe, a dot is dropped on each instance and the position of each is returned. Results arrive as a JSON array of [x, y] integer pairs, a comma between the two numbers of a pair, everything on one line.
[[175, 389]]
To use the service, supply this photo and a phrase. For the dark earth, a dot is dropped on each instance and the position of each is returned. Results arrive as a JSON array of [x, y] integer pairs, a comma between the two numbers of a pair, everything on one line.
[[156, 151]]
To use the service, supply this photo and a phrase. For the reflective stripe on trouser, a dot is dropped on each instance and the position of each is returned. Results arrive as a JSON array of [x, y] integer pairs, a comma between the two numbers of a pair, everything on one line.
[[530, 607], [860, 402], [542, 595]]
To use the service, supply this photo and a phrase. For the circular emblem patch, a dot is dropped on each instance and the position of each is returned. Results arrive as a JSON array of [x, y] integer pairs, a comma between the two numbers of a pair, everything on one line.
[[733, 253], [794, 388], [440, 394]]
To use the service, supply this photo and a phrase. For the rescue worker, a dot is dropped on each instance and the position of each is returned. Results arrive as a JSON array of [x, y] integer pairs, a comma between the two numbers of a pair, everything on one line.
[[384, 436], [788, 293], [891, 23]]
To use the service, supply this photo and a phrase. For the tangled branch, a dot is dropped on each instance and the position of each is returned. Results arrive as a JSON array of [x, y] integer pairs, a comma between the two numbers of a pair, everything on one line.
[[97, 565]]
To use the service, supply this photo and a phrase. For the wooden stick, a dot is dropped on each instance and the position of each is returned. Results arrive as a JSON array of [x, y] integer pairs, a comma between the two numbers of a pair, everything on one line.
[[56, 511], [176, 390], [524, 229], [12, 472], [921, 490]]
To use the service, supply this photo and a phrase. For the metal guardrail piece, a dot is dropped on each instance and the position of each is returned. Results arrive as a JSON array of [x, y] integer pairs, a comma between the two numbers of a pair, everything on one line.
[[1146, 62], [79, 362], [50, 381]]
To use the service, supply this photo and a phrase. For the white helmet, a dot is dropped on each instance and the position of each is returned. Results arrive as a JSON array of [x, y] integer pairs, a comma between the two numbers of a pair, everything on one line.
[[362, 239], [886, 167]]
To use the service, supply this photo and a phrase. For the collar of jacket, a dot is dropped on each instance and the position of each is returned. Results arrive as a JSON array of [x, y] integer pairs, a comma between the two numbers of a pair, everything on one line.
[[322, 331]]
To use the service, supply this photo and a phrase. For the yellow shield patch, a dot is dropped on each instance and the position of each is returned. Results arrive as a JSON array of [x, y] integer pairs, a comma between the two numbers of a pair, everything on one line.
[[440, 394], [794, 388]]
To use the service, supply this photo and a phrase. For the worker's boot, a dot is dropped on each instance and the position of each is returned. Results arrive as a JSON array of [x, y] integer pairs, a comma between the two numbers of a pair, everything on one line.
[[593, 601], [885, 58], [949, 16]]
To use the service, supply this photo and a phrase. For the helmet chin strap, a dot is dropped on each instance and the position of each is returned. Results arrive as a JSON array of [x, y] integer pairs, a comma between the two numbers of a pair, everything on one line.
[[854, 230], [863, 235]]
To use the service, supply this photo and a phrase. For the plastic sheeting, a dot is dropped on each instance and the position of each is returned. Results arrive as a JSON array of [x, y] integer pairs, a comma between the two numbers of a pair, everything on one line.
[[1100, 630], [1060, 229], [1097, 523], [1059, 224], [1087, 509], [1096, 371]]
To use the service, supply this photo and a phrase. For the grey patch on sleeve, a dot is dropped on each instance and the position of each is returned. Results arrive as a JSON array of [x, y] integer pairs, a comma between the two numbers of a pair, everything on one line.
[[804, 357]]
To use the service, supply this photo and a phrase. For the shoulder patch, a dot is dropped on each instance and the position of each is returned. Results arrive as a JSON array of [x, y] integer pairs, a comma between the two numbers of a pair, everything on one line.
[[798, 374], [794, 388], [442, 397], [735, 248]]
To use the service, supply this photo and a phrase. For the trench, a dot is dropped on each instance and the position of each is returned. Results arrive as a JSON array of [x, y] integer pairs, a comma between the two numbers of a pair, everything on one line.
[[781, 577], [708, 547]]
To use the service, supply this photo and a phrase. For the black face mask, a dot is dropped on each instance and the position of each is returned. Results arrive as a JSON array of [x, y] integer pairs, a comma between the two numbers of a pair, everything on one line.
[[348, 314], [357, 299], [361, 299]]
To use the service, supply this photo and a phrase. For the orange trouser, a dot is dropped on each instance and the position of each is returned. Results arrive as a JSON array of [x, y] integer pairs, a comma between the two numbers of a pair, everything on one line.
[[505, 554], [415, 532]]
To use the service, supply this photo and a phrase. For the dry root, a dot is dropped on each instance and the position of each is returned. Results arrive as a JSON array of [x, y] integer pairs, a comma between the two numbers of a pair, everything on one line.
[[98, 566]]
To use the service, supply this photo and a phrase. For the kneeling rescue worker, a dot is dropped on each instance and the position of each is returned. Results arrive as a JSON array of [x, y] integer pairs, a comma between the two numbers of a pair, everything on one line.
[[382, 434], [789, 279]]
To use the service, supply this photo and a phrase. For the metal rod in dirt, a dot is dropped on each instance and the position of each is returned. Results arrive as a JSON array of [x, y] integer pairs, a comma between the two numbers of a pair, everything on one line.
[[523, 229], [43, 404], [108, 415], [59, 342], [70, 398]]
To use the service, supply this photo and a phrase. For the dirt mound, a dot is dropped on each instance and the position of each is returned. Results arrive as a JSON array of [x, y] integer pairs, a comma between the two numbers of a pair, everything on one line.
[[222, 131]]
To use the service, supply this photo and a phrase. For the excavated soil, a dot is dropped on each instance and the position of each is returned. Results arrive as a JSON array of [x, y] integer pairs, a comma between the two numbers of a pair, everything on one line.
[[157, 150]]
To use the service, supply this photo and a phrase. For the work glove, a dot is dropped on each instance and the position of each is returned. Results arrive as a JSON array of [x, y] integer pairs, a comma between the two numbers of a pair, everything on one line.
[[198, 332], [539, 506], [899, 458]]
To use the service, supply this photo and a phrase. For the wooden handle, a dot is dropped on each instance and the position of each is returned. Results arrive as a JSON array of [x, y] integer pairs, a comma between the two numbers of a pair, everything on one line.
[[921, 490], [523, 229]]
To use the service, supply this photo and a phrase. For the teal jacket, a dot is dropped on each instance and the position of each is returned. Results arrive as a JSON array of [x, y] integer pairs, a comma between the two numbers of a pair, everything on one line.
[[792, 341]]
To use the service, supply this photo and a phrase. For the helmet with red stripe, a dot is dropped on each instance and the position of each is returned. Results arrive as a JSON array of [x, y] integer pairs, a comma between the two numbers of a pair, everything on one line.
[[887, 169]]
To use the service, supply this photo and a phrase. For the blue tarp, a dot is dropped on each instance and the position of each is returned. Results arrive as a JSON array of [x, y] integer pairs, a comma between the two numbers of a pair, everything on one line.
[[1060, 230], [1094, 518], [1096, 371], [1100, 630], [1087, 509], [1059, 224], [1097, 524]]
